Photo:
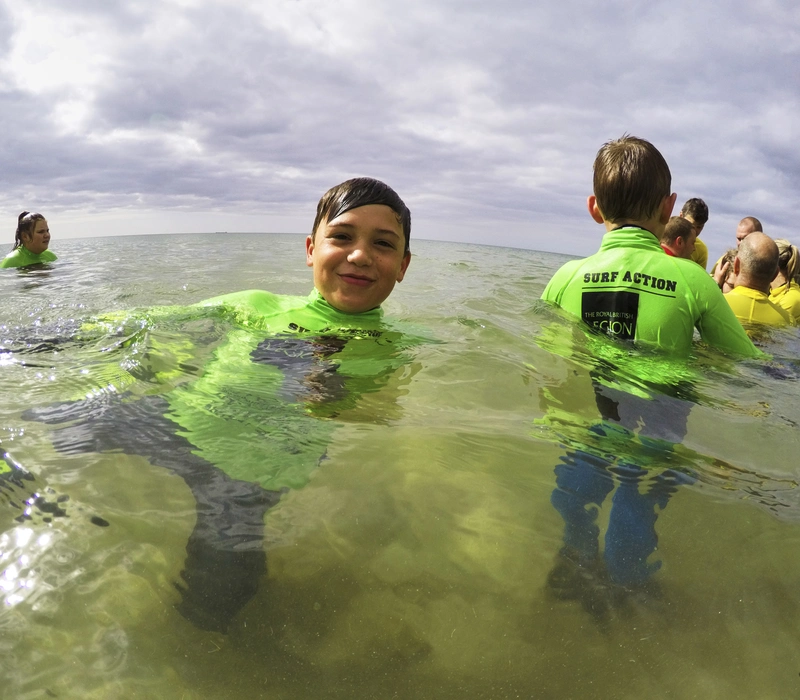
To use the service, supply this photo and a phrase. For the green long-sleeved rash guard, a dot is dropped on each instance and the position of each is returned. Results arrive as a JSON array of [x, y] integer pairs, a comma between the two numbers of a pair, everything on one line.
[[630, 289]]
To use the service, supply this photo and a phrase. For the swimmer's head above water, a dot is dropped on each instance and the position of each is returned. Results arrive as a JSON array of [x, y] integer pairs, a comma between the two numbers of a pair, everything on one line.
[[679, 237], [359, 244], [695, 211], [32, 233], [359, 192], [631, 186], [788, 262]]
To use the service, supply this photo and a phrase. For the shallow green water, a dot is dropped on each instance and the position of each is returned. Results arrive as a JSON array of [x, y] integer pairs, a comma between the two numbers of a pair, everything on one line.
[[415, 561]]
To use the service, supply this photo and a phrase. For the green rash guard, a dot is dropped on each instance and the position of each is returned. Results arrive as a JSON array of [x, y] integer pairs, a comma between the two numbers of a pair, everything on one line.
[[290, 365], [266, 311], [22, 257], [631, 290], [239, 396]]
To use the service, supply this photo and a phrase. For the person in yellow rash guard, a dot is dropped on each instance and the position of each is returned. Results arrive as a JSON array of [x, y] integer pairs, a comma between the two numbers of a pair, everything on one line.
[[784, 290], [754, 306], [754, 267], [629, 291], [787, 296], [700, 253], [260, 370], [695, 211]]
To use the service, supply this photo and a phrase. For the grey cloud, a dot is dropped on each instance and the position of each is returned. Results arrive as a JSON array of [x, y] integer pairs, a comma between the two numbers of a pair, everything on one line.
[[473, 112]]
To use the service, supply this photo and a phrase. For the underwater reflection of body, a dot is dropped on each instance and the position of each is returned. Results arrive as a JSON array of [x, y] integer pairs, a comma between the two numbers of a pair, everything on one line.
[[584, 479], [254, 422], [630, 446]]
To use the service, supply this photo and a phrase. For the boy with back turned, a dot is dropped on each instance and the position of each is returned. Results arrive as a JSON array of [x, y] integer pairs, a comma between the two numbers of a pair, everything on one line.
[[630, 289]]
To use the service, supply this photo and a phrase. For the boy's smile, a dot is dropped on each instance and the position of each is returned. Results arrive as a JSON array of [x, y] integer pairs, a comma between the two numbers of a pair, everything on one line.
[[358, 257]]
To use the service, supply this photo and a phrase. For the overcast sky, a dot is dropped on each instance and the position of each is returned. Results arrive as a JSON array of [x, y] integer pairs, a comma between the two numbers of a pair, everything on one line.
[[166, 116]]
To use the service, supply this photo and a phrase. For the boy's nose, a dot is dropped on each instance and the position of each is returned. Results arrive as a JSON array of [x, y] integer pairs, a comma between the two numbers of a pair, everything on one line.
[[359, 256]]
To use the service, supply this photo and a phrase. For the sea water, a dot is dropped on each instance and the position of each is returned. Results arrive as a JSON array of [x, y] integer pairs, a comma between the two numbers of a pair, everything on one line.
[[415, 562]]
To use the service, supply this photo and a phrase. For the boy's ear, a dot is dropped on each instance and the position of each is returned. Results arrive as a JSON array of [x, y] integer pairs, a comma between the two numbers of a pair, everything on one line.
[[666, 208], [310, 251], [594, 210], [404, 266]]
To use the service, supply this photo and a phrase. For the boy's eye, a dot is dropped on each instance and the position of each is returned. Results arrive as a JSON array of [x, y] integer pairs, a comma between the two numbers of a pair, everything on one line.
[[385, 244]]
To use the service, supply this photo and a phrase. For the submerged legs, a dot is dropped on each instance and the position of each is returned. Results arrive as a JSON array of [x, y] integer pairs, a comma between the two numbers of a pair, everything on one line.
[[225, 553], [582, 483]]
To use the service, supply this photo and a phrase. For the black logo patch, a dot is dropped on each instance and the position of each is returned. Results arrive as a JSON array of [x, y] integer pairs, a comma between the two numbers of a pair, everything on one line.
[[614, 313]]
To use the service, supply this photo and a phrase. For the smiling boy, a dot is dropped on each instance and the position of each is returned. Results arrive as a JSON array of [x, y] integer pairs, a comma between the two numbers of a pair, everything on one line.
[[273, 372], [358, 247], [291, 361], [358, 250]]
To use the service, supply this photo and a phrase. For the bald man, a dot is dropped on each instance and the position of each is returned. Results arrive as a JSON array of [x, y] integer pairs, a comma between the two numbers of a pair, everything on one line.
[[754, 267], [747, 226]]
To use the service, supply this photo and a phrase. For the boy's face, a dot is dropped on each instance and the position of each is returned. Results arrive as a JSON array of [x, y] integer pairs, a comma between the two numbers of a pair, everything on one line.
[[358, 257]]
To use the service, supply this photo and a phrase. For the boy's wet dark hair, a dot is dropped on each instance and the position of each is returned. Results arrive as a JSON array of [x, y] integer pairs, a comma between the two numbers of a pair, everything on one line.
[[631, 179], [697, 209], [359, 192], [26, 223]]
